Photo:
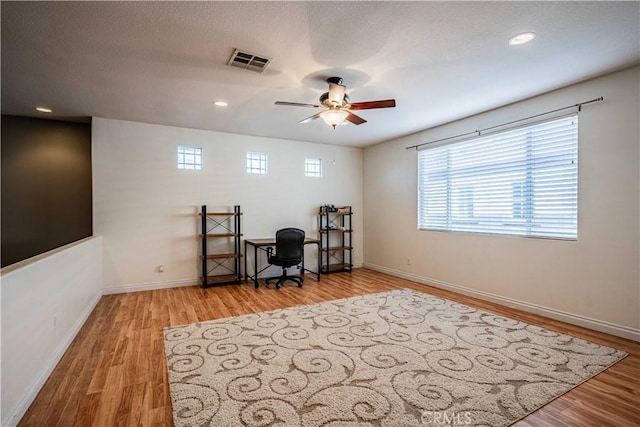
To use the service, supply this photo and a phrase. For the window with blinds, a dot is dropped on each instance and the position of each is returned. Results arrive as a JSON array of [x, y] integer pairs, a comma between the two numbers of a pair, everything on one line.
[[520, 182]]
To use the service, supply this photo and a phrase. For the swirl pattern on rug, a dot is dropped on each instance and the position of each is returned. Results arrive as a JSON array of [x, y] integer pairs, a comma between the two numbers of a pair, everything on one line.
[[400, 358]]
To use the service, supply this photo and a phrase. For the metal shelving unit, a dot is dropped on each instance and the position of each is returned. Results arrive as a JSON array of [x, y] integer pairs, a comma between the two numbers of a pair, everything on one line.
[[223, 227], [336, 231]]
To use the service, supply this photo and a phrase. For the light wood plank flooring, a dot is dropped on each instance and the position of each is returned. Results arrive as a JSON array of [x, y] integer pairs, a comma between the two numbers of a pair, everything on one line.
[[114, 371]]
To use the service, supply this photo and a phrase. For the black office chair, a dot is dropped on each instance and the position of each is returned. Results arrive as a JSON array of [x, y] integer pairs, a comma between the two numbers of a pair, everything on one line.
[[289, 252]]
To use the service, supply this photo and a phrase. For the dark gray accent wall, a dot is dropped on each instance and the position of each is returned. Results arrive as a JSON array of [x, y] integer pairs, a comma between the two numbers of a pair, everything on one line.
[[46, 186]]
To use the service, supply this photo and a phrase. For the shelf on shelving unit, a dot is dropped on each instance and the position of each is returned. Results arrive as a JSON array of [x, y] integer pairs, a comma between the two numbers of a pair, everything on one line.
[[333, 268]]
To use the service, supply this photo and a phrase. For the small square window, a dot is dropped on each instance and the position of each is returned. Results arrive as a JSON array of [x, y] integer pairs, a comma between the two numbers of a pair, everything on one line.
[[189, 157], [313, 167], [257, 163]]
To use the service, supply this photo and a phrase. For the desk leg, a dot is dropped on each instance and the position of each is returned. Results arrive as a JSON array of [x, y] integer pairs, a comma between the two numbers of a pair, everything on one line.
[[255, 267], [246, 275], [319, 257]]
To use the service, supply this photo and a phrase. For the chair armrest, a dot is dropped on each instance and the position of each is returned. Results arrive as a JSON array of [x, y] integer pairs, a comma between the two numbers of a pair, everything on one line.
[[269, 251]]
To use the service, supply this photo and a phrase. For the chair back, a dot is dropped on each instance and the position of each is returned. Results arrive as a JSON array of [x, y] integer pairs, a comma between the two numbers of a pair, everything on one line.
[[289, 244]]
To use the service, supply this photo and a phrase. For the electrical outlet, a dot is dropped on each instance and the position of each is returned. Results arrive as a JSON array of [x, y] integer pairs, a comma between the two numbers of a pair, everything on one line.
[[161, 268]]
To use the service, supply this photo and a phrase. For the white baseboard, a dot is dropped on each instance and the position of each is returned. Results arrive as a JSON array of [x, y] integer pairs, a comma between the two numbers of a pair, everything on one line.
[[574, 319], [138, 287], [30, 394]]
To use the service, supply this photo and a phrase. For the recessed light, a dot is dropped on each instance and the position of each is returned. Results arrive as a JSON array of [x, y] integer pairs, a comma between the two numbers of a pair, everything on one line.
[[44, 109], [521, 38], [220, 103]]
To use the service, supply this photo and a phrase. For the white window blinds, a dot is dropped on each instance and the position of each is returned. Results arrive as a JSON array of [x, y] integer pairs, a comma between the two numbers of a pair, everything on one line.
[[521, 182]]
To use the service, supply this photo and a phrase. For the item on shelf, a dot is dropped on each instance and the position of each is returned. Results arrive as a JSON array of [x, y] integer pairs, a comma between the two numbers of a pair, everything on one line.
[[220, 226], [327, 208]]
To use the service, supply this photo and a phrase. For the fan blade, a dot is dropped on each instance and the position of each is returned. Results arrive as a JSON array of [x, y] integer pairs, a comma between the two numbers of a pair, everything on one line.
[[297, 104], [336, 93], [310, 118], [356, 120], [387, 103]]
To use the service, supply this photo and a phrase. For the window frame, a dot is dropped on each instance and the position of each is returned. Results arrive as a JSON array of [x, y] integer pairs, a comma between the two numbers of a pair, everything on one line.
[[197, 157], [262, 166], [313, 167]]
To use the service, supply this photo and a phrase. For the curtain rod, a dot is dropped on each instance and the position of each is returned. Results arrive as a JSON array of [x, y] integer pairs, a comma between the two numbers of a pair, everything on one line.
[[479, 131]]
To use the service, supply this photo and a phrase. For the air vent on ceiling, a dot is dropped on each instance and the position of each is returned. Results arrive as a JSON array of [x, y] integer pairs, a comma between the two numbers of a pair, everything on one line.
[[248, 61]]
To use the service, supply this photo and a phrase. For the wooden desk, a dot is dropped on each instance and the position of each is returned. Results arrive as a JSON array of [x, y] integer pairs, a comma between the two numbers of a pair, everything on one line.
[[263, 244]]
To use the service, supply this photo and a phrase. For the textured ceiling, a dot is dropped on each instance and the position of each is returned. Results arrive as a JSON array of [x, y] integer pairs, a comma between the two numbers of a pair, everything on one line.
[[165, 62]]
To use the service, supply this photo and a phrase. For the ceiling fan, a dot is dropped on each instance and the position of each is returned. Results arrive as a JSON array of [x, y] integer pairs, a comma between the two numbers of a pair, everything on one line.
[[337, 106]]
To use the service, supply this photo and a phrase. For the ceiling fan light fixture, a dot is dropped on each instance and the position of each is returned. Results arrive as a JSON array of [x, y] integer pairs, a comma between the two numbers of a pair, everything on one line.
[[338, 107], [334, 117]]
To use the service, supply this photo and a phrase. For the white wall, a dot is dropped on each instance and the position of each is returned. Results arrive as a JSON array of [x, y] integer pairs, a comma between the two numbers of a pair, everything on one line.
[[145, 208], [45, 301], [594, 280]]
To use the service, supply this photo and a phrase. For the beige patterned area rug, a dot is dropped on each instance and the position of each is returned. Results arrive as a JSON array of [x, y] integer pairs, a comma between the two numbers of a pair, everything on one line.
[[399, 358]]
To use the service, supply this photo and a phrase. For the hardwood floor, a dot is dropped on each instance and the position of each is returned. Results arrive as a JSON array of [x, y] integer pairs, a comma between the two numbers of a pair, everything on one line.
[[114, 371]]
